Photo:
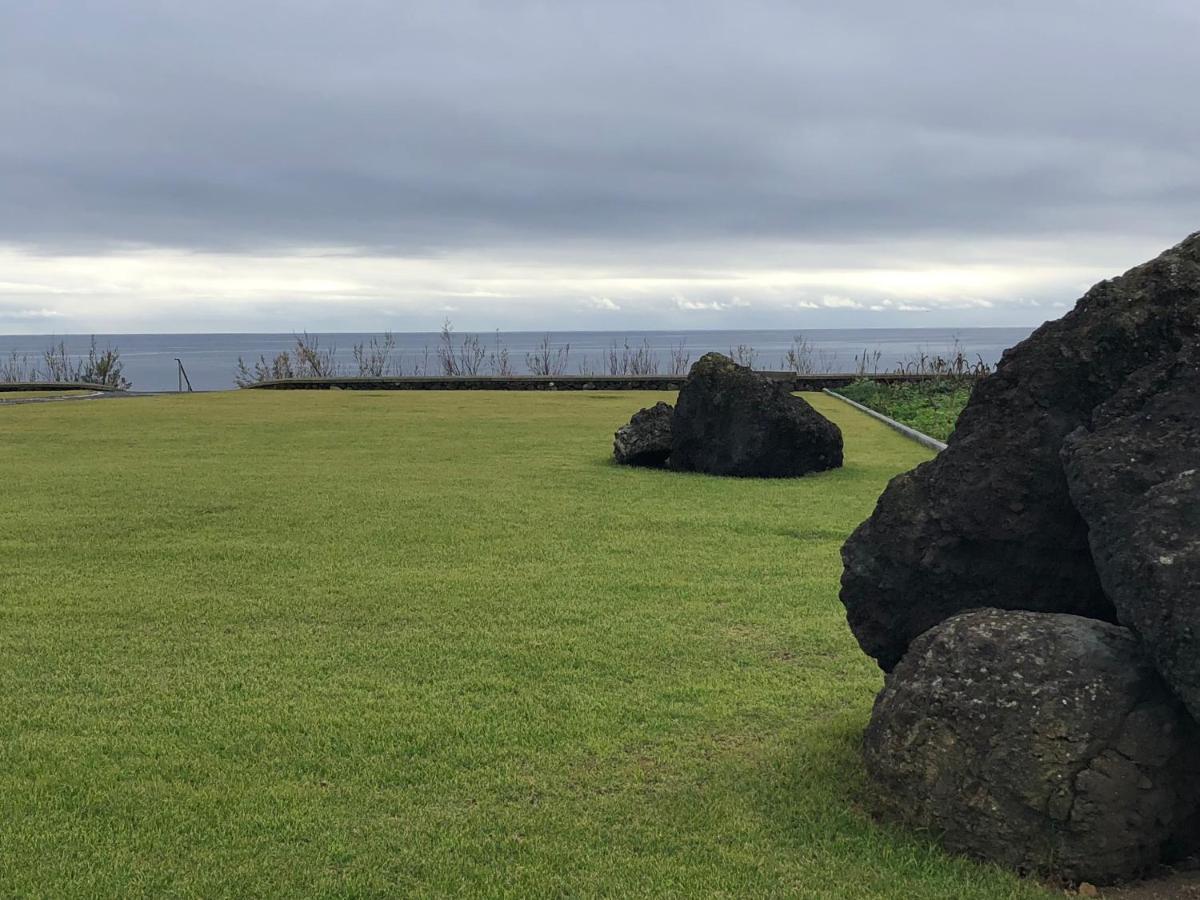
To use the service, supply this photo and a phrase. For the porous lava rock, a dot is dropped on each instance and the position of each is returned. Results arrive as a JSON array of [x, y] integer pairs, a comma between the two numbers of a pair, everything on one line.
[[730, 420], [989, 522], [1135, 477], [646, 440], [1044, 742]]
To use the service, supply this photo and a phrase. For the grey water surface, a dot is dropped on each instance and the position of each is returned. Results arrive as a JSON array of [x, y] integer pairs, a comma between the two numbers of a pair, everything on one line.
[[211, 359]]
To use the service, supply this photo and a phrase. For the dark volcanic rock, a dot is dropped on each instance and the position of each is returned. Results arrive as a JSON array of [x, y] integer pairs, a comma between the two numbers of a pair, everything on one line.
[[989, 521], [1044, 742], [1135, 477], [646, 440], [730, 420]]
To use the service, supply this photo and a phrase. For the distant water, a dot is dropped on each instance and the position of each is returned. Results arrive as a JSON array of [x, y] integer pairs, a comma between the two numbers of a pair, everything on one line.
[[211, 359]]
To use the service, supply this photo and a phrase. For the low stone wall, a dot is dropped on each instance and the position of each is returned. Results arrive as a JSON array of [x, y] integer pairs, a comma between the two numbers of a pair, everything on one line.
[[53, 386], [551, 383]]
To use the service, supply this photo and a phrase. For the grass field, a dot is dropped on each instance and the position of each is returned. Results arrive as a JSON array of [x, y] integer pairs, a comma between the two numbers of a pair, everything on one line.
[[433, 644]]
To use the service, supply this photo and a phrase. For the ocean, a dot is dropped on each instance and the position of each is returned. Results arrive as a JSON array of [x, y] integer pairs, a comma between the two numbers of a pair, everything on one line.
[[210, 360]]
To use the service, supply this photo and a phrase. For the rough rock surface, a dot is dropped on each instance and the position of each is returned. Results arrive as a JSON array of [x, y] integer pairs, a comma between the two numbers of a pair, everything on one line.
[[989, 521], [646, 440], [1135, 477], [1043, 742], [729, 420]]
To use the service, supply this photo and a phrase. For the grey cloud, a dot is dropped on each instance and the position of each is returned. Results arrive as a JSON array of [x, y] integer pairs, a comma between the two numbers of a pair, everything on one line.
[[429, 127]]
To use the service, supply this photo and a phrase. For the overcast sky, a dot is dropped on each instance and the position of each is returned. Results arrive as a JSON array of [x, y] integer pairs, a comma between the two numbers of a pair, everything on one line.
[[248, 166]]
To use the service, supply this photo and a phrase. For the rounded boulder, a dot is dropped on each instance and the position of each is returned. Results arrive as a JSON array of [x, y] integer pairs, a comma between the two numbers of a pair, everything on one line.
[[1043, 742]]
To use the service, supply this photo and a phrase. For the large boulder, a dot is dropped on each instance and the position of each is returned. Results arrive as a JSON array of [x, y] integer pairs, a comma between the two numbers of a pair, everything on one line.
[[1135, 477], [1043, 742], [730, 420], [646, 440], [989, 521]]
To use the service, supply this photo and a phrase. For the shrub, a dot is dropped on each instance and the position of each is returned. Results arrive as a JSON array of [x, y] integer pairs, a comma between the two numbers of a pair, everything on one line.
[[102, 368], [374, 357], [58, 367], [681, 358], [547, 359], [953, 364], [799, 356], [463, 358], [308, 360], [626, 360], [17, 368], [498, 361], [744, 355]]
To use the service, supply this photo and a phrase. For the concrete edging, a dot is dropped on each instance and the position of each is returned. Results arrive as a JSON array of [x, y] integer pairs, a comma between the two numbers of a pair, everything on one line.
[[14, 386], [910, 433], [22, 401], [791, 380]]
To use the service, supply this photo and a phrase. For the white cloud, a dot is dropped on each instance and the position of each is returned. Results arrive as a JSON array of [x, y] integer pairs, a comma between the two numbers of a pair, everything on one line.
[[31, 314], [893, 306], [695, 305], [472, 295], [604, 303], [560, 287], [832, 301], [735, 302]]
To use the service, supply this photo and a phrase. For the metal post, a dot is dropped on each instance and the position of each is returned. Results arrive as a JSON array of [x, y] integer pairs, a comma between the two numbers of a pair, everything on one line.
[[183, 376]]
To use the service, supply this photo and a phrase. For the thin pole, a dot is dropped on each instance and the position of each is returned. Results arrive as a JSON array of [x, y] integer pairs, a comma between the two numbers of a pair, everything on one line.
[[183, 376]]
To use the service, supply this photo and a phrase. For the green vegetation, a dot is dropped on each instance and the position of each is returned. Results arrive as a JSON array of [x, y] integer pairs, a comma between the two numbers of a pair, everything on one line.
[[931, 407], [431, 644], [56, 365]]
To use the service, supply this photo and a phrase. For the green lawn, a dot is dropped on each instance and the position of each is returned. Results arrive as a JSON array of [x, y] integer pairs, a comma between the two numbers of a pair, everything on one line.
[[434, 644]]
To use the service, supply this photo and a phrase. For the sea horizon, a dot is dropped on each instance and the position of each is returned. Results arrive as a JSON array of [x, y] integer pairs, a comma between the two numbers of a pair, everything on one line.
[[211, 358]]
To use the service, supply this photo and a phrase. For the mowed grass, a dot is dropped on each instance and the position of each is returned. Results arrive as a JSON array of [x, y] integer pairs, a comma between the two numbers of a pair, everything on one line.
[[430, 644]]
